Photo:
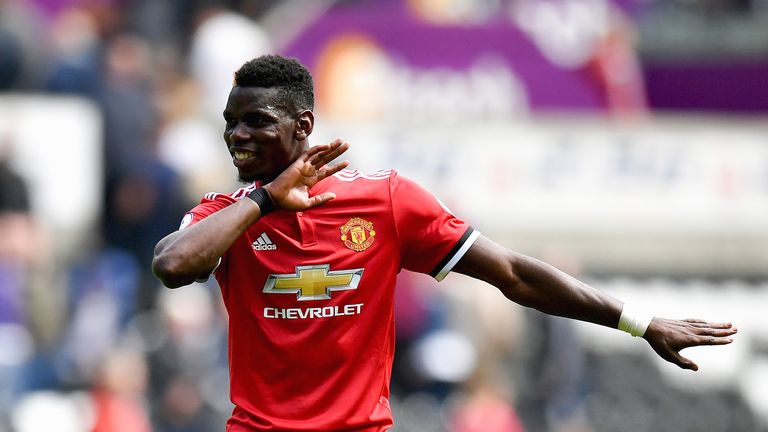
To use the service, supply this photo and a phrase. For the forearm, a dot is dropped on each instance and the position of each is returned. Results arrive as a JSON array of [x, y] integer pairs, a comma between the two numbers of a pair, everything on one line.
[[535, 284], [185, 255], [549, 290]]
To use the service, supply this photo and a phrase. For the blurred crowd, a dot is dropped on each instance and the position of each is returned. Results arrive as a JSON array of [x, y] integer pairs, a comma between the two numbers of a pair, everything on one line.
[[89, 341]]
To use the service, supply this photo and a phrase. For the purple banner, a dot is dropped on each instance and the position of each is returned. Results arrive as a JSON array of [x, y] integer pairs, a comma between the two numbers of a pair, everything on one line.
[[722, 87], [553, 52]]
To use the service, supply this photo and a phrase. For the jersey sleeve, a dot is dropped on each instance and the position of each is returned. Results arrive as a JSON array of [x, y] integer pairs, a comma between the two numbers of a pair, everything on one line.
[[210, 204], [432, 239]]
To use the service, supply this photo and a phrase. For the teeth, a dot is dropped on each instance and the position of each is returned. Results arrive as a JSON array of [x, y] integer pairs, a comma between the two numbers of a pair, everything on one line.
[[242, 155]]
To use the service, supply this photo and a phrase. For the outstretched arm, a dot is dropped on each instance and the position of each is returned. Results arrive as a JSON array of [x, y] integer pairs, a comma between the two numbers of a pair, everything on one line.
[[535, 284], [184, 256]]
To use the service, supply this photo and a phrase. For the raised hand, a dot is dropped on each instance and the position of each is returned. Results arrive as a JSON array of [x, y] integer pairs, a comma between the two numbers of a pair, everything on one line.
[[290, 190], [667, 337]]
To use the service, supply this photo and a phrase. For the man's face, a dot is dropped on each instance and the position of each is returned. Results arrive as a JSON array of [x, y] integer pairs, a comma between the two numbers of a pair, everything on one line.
[[260, 134]]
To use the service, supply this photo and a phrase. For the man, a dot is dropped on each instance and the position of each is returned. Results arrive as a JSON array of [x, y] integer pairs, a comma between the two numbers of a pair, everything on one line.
[[306, 256]]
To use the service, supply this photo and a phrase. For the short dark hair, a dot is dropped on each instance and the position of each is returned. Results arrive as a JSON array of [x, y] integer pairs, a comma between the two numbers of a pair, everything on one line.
[[284, 73]]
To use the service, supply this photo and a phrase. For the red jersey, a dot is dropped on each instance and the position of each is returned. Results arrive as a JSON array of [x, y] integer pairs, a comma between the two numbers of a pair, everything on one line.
[[310, 297]]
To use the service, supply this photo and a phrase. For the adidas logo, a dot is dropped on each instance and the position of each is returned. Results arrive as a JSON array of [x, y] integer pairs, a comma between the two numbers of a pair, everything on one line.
[[263, 243]]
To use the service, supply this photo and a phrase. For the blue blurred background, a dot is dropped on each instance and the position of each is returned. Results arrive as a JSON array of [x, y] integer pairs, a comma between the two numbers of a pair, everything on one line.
[[624, 141]]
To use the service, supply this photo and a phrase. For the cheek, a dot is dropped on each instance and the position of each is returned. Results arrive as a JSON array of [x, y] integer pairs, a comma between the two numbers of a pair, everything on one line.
[[267, 135]]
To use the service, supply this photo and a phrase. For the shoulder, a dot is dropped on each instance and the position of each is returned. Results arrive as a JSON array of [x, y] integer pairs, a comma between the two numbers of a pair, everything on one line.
[[230, 198], [353, 183], [351, 175], [386, 181], [212, 202]]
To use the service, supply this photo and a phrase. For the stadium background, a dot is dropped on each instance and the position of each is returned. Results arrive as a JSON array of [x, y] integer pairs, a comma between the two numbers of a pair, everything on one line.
[[623, 141]]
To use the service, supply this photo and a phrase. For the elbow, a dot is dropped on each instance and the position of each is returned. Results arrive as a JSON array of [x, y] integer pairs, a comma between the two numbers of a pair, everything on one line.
[[514, 286], [521, 293], [170, 271]]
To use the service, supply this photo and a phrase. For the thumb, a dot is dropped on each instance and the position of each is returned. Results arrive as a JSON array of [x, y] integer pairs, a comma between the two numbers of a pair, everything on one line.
[[685, 363], [321, 199]]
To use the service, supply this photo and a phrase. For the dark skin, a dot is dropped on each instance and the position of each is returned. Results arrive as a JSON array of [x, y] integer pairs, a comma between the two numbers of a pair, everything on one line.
[[259, 127], [277, 143], [535, 284], [269, 143]]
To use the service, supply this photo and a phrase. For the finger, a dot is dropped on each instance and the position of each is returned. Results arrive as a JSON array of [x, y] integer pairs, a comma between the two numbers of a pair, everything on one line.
[[720, 332], [331, 170], [313, 151], [336, 142], [701, 323], [335, 150], [683, 362], [712, 340], [321, 199]]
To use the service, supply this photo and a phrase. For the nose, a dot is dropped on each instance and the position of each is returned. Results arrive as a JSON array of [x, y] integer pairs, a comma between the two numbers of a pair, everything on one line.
[[240, 132]]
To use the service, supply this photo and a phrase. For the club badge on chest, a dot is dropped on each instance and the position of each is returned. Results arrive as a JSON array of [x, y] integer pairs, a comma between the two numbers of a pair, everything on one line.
[[358, 234]]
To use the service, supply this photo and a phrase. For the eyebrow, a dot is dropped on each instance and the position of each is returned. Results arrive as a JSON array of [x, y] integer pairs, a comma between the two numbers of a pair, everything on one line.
[[268, 113]]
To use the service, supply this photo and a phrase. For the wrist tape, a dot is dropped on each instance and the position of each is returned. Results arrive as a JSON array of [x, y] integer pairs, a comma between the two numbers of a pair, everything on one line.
[[261, 197], [634, 321]]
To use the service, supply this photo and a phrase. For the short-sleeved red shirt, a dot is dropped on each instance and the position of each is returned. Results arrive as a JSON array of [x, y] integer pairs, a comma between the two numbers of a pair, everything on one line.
[[310, 300]]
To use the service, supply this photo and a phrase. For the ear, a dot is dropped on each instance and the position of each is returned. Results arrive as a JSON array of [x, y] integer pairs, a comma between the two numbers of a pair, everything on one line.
[[305, 122]]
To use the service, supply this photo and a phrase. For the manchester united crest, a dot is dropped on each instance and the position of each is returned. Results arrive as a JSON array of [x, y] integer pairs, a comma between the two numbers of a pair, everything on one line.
[[358, 234]]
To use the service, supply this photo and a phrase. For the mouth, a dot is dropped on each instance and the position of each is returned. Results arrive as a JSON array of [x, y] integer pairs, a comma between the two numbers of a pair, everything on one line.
[[242, 157]]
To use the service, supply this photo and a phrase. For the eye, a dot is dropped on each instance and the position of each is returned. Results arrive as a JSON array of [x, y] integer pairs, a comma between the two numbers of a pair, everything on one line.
[[255, 120]]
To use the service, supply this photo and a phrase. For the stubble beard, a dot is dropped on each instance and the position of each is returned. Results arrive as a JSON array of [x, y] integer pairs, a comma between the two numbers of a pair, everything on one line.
[[248, 179], [251, 179]]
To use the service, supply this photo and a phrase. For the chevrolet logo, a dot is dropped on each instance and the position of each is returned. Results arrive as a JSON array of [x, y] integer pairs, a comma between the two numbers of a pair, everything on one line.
[[313, 282]]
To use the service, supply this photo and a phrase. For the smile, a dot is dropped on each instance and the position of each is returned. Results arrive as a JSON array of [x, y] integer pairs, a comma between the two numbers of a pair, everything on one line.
[[242, 155]]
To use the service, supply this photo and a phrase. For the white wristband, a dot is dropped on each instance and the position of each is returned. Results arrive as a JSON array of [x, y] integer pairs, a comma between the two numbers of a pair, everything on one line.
[[634, 320]]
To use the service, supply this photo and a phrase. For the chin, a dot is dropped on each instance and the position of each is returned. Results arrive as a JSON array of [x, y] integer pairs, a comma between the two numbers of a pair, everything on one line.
[[244, 178], [250, 178]]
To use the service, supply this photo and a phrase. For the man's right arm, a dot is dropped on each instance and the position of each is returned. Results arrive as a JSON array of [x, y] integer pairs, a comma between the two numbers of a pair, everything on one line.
[[186, 255]]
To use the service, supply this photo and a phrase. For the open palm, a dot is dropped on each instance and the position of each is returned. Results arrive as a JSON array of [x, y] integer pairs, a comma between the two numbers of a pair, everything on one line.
[[667, 337], [290, 190]]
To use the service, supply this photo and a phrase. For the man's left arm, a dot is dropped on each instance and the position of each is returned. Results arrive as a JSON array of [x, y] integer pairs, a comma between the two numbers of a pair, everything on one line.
[[535, 284]]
